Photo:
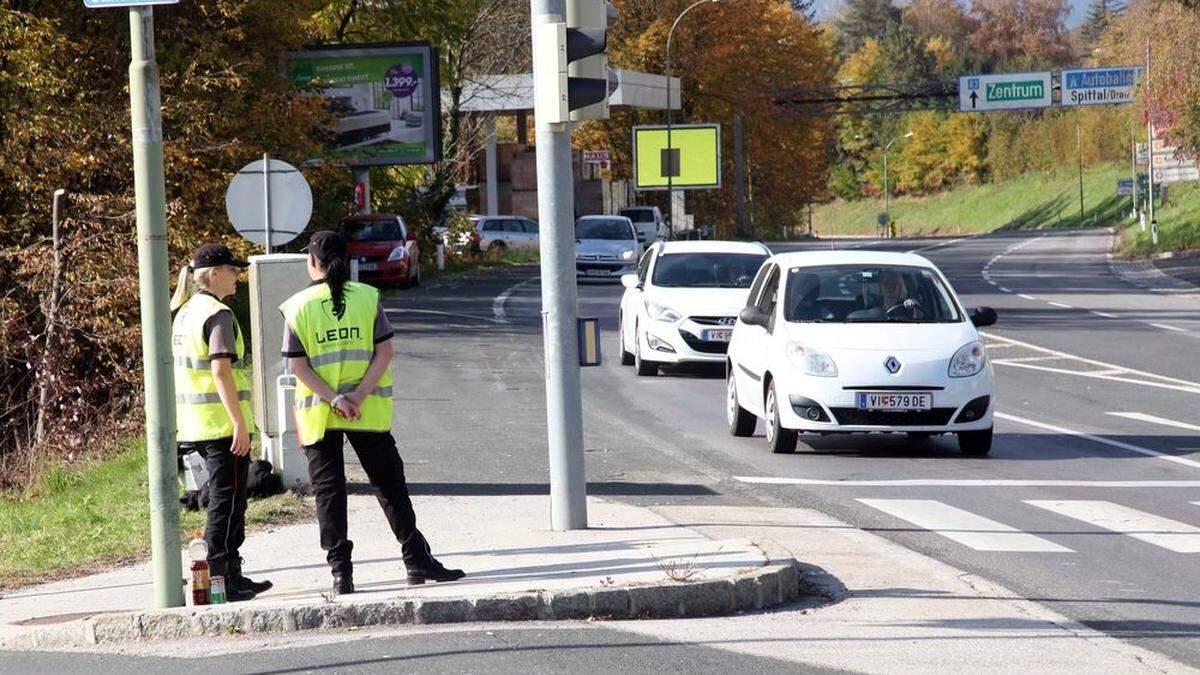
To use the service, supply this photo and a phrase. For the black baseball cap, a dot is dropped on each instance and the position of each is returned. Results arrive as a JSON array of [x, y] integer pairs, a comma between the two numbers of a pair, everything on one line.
[[215, 255], [326, 244]]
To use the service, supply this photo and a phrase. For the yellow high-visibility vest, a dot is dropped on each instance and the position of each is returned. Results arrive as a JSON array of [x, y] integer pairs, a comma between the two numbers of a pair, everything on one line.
[[339, 350], [199, 414]]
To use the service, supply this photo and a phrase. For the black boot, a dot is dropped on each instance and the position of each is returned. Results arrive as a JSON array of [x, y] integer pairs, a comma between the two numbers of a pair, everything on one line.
[[433, 571], [233, 591], [343, 583], [234, 568]]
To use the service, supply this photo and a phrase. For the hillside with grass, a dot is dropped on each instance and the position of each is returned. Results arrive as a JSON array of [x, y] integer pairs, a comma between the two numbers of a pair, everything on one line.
[[1033, 201]]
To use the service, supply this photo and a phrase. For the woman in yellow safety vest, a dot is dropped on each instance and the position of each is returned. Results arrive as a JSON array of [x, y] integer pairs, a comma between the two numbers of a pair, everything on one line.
[[338, 343], [212, 404]]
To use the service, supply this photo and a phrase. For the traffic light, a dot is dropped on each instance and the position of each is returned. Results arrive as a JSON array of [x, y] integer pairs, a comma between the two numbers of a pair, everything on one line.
[[570, 69]]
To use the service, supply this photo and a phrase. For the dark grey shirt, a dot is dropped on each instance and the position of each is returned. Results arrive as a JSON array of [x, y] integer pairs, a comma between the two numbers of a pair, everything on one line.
[[220, 334], [292, 347]]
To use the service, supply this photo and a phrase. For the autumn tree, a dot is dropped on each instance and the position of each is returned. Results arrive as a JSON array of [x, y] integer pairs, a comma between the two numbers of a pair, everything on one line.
[[1100, 14], [1021, 34], [861, 20], [732, 58]]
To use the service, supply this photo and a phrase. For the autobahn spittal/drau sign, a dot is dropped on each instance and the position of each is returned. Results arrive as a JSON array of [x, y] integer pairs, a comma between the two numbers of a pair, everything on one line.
[[1099, 86], [1004, 91]]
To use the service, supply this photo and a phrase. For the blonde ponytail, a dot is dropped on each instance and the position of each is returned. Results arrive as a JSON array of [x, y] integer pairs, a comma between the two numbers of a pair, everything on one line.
[[183, 288]]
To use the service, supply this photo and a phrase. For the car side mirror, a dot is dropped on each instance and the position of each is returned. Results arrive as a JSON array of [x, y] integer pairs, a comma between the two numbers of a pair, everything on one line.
[[753, 316], [630, 281], [982, 316]]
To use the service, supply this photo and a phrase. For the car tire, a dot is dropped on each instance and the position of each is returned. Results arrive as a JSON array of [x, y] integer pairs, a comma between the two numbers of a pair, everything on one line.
[[781, 441], [626, 355], [497, 247], [644, 368], [741, 421], [975, 443]]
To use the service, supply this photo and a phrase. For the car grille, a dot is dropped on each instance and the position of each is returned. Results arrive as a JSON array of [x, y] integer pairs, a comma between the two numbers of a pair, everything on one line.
[[884, 418], [590, 265], [727, 321], [703, 346]]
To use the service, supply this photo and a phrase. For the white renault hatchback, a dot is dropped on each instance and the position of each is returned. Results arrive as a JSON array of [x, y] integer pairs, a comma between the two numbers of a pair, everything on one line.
[[681, 304], [858, 341]]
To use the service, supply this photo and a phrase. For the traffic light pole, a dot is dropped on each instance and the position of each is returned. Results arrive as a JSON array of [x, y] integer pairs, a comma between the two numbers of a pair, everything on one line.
[[146, 114], [556, 212]]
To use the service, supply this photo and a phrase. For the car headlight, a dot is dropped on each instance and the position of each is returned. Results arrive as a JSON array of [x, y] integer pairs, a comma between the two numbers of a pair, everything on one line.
[[811, 361], [398, 253], [662, 312], [968, 360], [627, 254]]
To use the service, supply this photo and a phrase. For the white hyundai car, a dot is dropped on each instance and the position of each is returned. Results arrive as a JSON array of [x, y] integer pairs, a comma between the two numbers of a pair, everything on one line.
[[681, 304], [858, 341]]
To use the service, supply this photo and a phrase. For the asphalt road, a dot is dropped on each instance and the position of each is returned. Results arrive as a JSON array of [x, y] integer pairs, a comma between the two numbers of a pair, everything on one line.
[[1096, 387]]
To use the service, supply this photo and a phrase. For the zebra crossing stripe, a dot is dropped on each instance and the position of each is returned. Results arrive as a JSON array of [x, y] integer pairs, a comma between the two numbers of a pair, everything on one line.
[[966, 528], [1163, 532]]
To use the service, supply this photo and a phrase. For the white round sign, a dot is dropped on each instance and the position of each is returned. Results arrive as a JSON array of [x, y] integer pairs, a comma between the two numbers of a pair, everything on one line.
[[283, 187]]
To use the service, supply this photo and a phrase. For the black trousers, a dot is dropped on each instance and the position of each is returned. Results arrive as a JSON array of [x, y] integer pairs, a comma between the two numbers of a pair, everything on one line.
[[225, 529], [381, 460]]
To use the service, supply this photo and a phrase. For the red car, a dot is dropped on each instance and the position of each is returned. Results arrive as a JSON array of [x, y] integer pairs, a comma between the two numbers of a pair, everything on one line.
[[386, 250]]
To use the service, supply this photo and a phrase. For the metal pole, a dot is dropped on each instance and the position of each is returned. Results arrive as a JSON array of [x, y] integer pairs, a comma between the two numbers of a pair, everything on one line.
[[1079, 155], [146, 113], [1133, 171], [1149, 139], [887, 201], [493, 174], [564, 406], [267, 200], [738, 160]]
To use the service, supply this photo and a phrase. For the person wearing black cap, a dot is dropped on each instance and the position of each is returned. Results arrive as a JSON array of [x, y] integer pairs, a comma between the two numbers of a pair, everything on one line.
[[339, 345], [212, 404]]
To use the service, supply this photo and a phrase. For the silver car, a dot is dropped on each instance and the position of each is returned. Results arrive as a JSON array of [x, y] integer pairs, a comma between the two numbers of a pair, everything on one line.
[[605, 247]]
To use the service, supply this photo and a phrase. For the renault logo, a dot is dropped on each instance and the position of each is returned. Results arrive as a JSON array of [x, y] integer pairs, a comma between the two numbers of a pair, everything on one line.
[[892, 364]]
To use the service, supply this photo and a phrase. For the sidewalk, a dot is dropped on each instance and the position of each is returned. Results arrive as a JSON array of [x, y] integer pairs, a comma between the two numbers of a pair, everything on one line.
[[631, 563]]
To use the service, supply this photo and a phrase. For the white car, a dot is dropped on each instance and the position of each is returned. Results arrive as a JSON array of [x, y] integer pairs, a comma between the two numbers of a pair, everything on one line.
[[648, 222], [858, 341], [605, 247], [505, 232], [682, 303]]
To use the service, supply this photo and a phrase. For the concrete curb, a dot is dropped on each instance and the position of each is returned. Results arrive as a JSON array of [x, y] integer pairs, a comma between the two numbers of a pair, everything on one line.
[[1145, 274], [776, 583]]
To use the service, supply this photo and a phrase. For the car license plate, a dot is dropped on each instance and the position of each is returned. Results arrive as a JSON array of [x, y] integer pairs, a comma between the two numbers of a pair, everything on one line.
[[368, 267], [894, 400], [718, 335], [595, 273]]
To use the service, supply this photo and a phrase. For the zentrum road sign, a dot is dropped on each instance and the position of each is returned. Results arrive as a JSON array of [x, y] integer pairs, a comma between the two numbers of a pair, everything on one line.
[[1099, 86], [1004, 91]]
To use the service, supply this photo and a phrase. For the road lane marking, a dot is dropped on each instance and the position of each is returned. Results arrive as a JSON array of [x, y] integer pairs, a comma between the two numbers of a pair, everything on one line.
[[499, 314], [1060, 304], [1154, 419], [1094, 362], [1100, 439], [1027, 297], [1103, 314], [970, 530], [1162, 532], [969, 482], [939, 245], [1166, 327], [1005, 290], [1099, 375]]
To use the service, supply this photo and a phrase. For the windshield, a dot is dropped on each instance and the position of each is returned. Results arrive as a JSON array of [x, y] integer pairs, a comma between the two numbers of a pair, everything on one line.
[[603, 228], [639, 215], [707, 270], [868, 294], [375, 230]]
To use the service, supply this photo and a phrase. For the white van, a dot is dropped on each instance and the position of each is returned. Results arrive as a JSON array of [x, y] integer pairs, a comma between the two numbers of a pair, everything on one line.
[[648, 222]]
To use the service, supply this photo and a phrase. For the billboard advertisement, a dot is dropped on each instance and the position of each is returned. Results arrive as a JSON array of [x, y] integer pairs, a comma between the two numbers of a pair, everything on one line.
[[387, 99]]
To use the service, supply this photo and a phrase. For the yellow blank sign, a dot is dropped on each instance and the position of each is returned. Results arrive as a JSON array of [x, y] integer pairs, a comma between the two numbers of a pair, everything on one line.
[[697, 148]]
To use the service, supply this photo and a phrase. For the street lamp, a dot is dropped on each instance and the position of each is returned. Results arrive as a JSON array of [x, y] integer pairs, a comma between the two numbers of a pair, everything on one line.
[[670, 149], [887, 201]]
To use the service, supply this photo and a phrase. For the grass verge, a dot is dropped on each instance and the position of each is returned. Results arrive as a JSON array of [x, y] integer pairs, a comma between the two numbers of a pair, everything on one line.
[[1033, 201], [458, 264], [84, 520], [1178, 224]]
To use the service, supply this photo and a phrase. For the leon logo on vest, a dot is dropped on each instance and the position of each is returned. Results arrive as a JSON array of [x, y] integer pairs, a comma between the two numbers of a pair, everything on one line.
[[337, 334]]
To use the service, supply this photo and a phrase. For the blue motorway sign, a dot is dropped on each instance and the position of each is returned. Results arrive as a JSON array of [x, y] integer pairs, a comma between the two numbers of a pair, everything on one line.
[[101, 4], [1099, 86]]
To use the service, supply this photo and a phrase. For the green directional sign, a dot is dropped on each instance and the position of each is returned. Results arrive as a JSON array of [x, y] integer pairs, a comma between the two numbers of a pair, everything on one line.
[[1004, 91]]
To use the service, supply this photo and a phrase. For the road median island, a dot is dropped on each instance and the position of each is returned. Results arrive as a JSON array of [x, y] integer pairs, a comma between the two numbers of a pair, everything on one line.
[[632, 564]]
